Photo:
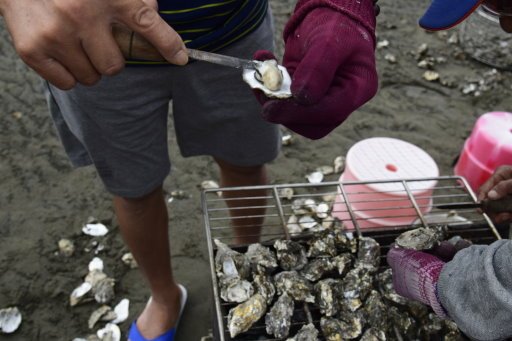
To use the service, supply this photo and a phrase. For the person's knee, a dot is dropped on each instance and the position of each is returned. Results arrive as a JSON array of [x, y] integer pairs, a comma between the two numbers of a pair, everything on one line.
[[139, 204]]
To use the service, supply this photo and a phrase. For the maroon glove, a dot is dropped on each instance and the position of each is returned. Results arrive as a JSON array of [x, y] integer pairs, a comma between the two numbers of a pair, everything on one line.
[[415, 276], [330, 54]]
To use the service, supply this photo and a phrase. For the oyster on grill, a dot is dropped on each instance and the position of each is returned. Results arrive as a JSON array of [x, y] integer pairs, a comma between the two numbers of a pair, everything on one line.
[[357, 283], [323, 245], [302, 206], [243, 316], [368, 254], [230, 263], [375, 311], [402, 323], [307, 222], [337, 329], [294, 285], [372, 334], [291, 255], [293, 225], [262, 259], [279, 319], [264, 287], [345, 242], [421, 238], [308, 332], [342, 263], [235, 290], [327, 294], [317, 268]]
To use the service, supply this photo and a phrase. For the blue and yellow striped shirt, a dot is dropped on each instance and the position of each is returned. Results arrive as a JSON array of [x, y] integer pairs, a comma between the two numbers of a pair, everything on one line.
[[211, 25]]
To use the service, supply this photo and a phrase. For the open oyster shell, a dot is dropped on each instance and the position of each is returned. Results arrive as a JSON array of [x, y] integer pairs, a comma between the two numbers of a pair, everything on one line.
[[271, 78]]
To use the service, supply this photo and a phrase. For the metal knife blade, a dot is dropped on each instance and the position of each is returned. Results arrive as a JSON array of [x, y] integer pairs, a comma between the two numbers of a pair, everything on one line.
[[220, 59], [489, 206]]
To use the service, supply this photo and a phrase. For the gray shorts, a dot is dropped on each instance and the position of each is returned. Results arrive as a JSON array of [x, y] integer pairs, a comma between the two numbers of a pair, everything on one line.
[[120, 124]]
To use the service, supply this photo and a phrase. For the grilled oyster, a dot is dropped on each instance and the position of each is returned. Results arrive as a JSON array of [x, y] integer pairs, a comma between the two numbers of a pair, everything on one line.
[[244, 315], [230, 263], [323, 245], [294, 285], [291, 255], [421, 238], [337, 329], [262, 259], [368, 254], [402, 323], [265, 287], [342, 263], [234, 289], [308, 332], [317, 268], [327, 293], [279, 319], [373, 334], [375, 311], [357, 283]]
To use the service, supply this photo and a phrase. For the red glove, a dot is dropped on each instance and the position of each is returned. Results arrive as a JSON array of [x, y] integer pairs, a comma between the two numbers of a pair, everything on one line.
[[330, 54]]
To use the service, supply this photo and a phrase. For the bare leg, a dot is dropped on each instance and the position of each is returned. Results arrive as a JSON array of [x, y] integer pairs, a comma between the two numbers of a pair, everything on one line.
[[246, 230], [144, 227]]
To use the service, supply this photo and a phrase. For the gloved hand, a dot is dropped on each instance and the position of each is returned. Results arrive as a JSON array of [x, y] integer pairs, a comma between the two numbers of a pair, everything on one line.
[[496, 187], [330, 54], [415, 276]]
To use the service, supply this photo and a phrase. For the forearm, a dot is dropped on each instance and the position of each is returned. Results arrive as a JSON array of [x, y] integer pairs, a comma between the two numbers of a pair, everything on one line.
[[475, 288]]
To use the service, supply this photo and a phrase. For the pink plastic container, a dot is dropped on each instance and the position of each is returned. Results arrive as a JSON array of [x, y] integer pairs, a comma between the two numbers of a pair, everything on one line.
[[488, 147], [385, 204]]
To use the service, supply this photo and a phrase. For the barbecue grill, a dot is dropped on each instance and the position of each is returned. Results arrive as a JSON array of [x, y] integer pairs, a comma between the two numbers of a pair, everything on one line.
[[277, 205]]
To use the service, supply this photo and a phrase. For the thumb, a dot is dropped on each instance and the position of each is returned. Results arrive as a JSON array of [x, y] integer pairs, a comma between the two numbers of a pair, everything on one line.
[[142, 18], [152, 3], [502, 189]]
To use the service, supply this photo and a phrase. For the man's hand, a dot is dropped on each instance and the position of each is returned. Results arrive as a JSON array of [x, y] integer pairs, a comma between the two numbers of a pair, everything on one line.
[[330, 54], [70, 41], [496, 187]]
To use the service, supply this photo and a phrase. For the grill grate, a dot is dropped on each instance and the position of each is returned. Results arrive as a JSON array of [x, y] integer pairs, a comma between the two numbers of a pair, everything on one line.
[[363, 207]]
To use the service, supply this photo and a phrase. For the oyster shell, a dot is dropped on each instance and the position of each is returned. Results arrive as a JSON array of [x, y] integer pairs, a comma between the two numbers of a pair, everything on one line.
[[368, 254], [327, 294], [375, 311], [315, 177], [96, 264], [230, 263], [98, 314], [317, 268], [128, 259], [279, 319], [302, 206], [122, 311], [323, 245], [339, 164], [79, 293], [103, 290], [342, 263], [322, 210], [293, 225], [271, 78], [421, 238], [261, 258], [294, 285], [286, 192], [340, 329], [66, 247], [95, 229], [357, 283], [244, 315], [264, 287], [308, 332], [235, 290], [110, 332], [372, 334], [10, 320], [307, 222], [291, 255]]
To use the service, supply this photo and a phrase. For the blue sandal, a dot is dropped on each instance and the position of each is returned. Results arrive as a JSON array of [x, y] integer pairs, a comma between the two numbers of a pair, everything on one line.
[[135, 335]]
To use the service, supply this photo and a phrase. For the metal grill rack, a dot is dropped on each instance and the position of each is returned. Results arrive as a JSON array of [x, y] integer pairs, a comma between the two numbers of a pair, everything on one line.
[[353, 204]]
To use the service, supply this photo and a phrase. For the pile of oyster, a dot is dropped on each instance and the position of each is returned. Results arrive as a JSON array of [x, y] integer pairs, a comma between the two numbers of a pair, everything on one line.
[[327, 286]]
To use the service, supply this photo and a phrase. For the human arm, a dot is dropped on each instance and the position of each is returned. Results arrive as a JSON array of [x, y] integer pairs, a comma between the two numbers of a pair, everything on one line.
[[70, 41], [474, 289], [496, 187], [330, 54]]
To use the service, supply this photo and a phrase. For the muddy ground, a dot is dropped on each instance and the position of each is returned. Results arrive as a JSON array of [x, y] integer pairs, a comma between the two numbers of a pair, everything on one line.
[[42, 199]]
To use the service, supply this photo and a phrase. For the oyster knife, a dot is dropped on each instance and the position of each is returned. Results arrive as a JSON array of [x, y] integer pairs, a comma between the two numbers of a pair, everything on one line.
[[220, 59]]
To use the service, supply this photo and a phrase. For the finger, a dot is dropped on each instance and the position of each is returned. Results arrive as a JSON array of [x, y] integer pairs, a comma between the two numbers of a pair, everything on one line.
[[54, 72], [502, 217], [103, 52], [444, 251], [78, 64], [500, 174], [144, 20], [502, 189]]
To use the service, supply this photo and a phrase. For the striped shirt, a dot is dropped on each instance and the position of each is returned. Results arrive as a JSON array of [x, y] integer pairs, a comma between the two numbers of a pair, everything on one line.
[[211, 25]]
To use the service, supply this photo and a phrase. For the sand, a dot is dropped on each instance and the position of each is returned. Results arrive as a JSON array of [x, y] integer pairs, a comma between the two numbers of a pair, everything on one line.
[[42, 199]]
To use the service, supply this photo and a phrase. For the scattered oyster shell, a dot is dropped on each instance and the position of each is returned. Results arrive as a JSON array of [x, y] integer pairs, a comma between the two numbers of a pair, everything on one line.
[[337, 329], [307, 222], [293, 226], [303, 206], [103, 290], [339, 164], [179, 194], [286, 192], [290, 255], [95, 229], [327, 294], [244, 315], [279, 319], [96, 264], [317, 268], [287, 139], [210, 184], [79, 293], [94, 277], [110, 332], [66, 247], [261, 258], [431, 76], [235, 290], [128, 259], [10, 320], [270, 74], [322, 210], [230, 263], [325, 170], [264, 286], [421, 238], [298, 287], [308, 332], [122, 310], [315, 177], [98, 314]]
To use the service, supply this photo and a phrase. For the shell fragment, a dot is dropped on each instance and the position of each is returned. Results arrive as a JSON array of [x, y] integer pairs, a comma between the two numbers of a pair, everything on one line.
[[10, 320], [95, 230]]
